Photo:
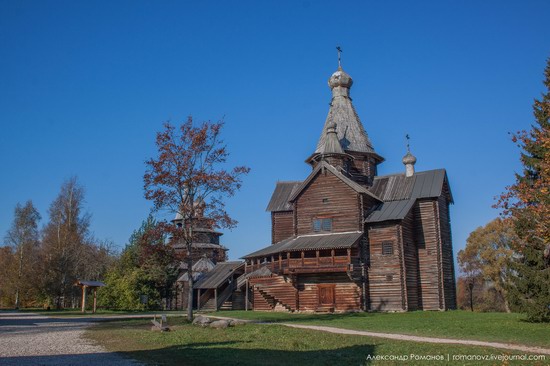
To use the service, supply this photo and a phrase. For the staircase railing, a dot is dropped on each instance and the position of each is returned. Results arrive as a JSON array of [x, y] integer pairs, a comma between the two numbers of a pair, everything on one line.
[[203, 299], [224, 295]]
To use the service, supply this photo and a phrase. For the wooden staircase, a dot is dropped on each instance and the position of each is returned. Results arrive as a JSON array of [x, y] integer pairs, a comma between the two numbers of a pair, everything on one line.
[[273, 302], [208, 300], [227, 305], [277, 292]]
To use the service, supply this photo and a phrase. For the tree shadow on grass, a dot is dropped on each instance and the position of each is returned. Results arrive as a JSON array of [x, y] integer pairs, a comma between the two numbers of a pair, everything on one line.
[[215, 353]]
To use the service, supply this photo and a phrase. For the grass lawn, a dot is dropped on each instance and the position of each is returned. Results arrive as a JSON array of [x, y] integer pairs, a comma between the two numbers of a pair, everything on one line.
[[256, 344], [498, 327]]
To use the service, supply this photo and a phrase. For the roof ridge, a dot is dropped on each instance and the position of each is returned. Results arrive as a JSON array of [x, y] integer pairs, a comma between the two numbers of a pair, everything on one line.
[[403, 173], [331, 233]]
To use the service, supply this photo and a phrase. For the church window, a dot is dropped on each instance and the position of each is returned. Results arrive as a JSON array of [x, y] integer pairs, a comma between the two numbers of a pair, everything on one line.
[[324, 224], [387, 248], [316, 225]]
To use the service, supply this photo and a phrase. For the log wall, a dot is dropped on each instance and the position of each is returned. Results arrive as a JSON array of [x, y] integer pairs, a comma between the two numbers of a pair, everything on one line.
[[363, 169], [341, 204], [386, 286], [282, 226], [347, 293], [411, 262], [449, 284], [429, 253]]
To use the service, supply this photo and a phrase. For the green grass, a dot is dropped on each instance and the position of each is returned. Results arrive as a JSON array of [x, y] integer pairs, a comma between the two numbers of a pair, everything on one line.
[[497, 327], [257, 344]]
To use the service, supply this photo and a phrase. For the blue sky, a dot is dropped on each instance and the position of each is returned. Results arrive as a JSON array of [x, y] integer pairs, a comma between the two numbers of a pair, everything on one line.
[[85, 85]]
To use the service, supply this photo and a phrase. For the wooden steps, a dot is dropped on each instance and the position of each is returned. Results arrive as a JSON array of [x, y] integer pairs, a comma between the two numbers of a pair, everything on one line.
[[274, 290]]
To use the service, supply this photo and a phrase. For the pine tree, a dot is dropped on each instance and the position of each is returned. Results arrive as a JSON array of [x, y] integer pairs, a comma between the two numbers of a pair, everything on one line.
[[527, 201]]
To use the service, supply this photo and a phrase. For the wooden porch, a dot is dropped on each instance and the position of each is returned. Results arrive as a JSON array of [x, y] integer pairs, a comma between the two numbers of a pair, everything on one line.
[[312, 261]]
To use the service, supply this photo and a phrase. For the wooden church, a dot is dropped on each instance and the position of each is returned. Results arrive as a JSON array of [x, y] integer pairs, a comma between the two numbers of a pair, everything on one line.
[[347, 239]]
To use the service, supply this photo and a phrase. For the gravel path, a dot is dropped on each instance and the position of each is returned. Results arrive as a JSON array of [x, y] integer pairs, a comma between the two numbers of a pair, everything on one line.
[[31, 339], [404, 337]]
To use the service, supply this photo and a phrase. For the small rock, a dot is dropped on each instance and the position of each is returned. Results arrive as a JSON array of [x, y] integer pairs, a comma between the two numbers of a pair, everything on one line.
[[219, 324]]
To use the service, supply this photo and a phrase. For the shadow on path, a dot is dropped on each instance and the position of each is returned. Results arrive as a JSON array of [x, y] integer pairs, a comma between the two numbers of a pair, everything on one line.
[[215, 353]]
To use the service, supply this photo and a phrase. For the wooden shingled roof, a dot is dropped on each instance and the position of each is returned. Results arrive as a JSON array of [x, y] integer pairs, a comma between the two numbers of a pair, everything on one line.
[[280, 197], [400, 193], [200, 267], [399, 187], [218, 275], [310, 242], [349, 129], [199, 246]]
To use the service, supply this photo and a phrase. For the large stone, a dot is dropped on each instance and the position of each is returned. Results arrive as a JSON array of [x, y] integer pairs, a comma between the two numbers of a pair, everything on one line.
[[236, 322], [202, 321], [219, 324], [197, 319]]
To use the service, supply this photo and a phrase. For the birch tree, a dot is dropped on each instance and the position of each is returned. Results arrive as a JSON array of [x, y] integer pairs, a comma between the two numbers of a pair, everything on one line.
[[64, 242], [23, 238]]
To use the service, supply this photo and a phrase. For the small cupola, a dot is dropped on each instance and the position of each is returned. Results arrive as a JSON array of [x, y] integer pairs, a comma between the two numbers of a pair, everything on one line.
[[409, 160], [340, 82], [332, 144]]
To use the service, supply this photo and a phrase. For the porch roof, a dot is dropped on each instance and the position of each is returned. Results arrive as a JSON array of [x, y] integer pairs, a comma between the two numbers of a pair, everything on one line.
[[310, 242], [218, 275]]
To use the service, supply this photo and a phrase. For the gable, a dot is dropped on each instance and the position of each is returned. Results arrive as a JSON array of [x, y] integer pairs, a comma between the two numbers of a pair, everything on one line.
[[326, 196], [323, 167]]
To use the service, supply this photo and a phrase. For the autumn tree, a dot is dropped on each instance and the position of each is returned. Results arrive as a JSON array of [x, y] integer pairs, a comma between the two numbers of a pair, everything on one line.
[[23, 237], [67, 245], [7, 272], [189, 178], [487, 257], [527, 202]]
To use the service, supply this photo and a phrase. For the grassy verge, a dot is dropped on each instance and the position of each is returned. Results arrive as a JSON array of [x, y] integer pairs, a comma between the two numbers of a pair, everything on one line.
[[255, 344], [497, 327]]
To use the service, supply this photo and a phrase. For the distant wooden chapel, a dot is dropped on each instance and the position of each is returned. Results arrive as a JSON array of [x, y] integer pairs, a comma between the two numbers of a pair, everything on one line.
[[347, 239]]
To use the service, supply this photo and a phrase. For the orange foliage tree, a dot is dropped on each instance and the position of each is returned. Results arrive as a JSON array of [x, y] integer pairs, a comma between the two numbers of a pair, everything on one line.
[[189, 178]]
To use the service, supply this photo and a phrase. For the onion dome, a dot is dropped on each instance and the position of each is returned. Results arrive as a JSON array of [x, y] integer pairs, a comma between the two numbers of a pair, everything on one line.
[[340, 78], [409, 159]]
